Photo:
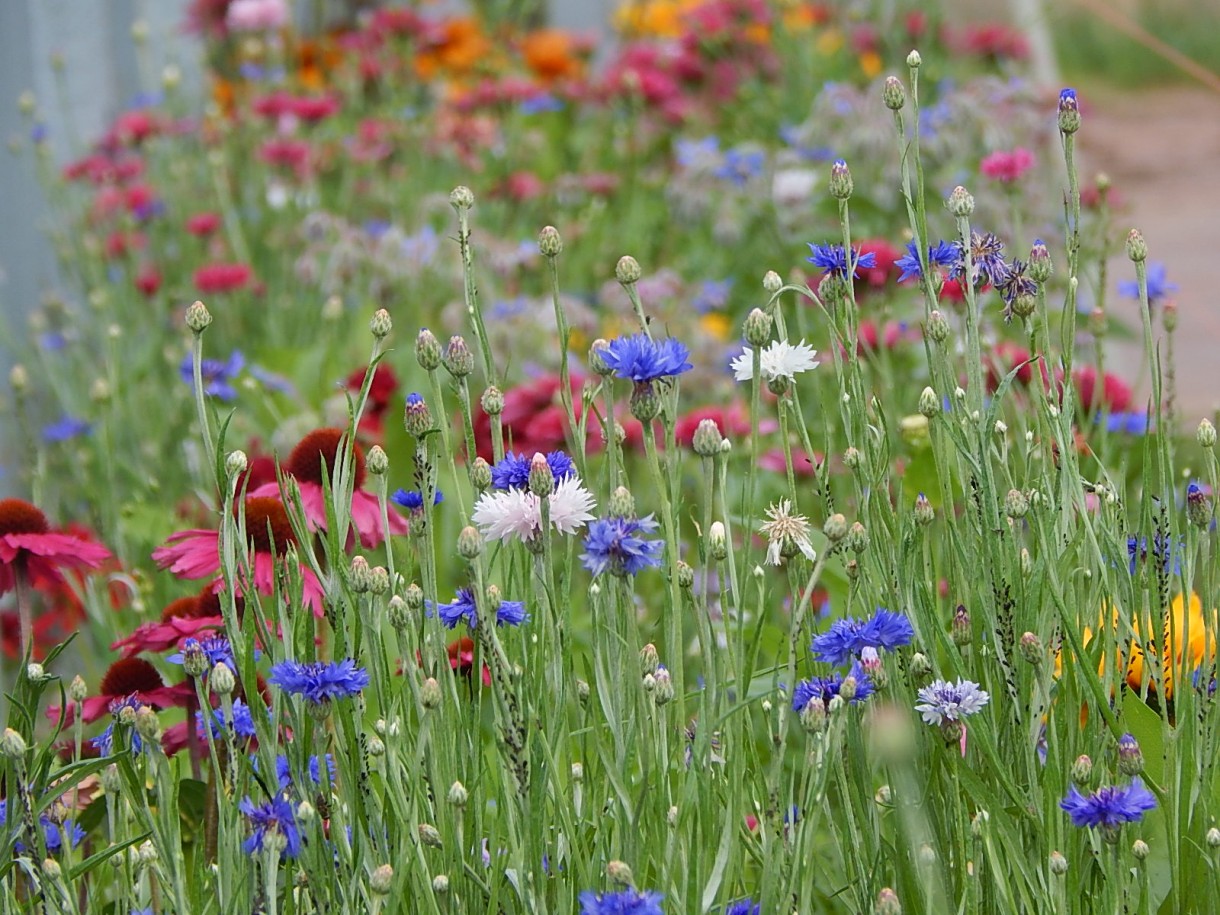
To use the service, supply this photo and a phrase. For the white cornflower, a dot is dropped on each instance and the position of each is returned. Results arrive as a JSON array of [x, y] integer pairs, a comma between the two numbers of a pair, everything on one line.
[[786, 533], [779, 360], [942, 701], [499, 514]]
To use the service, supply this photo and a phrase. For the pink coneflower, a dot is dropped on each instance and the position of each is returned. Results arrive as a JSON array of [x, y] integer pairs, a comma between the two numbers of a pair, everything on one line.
[[211, 279], [316, 455], [183, 618], [28, 546], [196, 553], [1007, 167]]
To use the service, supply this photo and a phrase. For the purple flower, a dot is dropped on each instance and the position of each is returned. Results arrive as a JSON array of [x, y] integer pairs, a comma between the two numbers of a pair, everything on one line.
[[540, 104], [1158, 287], [274, 818], [51, 832], [513, 472], [243, 721], [217, 649], [463, 606], [644, 360], [941, 254], [614, 544], [739, 167], [832, 259], [626, 902], [320, 681], [1108, 807], [217, 375], [942, 701], [986, 260], [65, 429], [743, 907], [826, 688], [413, 500], [846, 638]]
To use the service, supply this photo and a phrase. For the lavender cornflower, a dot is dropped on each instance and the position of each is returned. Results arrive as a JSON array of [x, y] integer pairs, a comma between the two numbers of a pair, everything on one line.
[[644, 360], [319, 681], [626, 902], [941, 254], [826, 688], [832, 259], [847, 638], [614, 544], [986, 260], [513, 471], [273, 820], [1108, 807], [1158, 286], [1015, 286], [739, 167], [463, 606], [942, 701], [216, 375], [413, 500], [242, 725]]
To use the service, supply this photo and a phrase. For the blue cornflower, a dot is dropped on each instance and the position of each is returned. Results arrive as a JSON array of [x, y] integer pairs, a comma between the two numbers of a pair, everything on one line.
[[64, 429], [690, 152], [739, 167], [52, 835], [1108, 807], [513, 472], [217, 648], [413, 500], [272, 381], [52, 341], [846, 638], [104, 742], [743, 907], [1132, 423], [463, 606], [1158, 286], [276, 817], [422, 247], [941, 254], [626, 902], [713, 296], [320, 681], [1163, 549], [243, 721], [826, 688], [833, 260], [614, 544], [644, 360], [986, 260], [217, 375], [540, 104], [283, 771]]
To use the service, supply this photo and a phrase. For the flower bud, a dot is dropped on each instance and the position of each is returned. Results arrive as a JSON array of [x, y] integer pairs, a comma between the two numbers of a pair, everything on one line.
[[1130, 758], [198, 317], [399, 615], [12, 744], [414, 597], [34, 672], [427, 350], [1098, 323], [1023, 304], [1169, 316], [78, 689], [665, 686], [359, 575], [430, 693], [492, 401], [1069, 112], [1213, 838], [51, 870], [1031, 648], [1040, 266], [894, 94], [147, 725], [914, 60], [717, 542], [541, 478], [480, 474], [645, 404], [1082, 770], [379, 580], [1058, 864], [1198, 506], [841, 184], [920, 668], [1205, 435], [1015, 504], [852, 459], [376, 461], [960, 203], [686, 575], [707, 438], [381, 324], [835, 527], [549, 242], [1137, 248], [440, 884], [429, 835], [757, 328], [938, 327], [929, 403], [960, 628], [111, 780], [813, 716], [923, 512], [417, 418], [1140, 849], [461, 198], [469, 544], [221, 680], [621, 503], [618, 872], [857, 538], [627, 270], [18, 378], [887, 903], [382, 879], [458, 794], [458, 359], [596, 362], [772, 283], [195, 661], [832, 290]]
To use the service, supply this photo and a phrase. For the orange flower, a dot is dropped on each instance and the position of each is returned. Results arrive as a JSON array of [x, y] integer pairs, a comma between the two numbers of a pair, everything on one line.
[[461, 47], [551, 54]]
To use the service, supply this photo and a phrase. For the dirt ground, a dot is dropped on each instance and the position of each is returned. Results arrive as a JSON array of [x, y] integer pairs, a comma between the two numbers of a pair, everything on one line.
[[1161, 149]]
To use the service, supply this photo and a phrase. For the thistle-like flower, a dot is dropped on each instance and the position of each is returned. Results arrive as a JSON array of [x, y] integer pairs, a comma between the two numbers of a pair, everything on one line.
[[787, 534]]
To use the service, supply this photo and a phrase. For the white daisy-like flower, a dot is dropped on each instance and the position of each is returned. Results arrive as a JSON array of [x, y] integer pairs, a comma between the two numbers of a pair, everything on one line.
[[942, 701], [500, 514], [786, 533], [779, 360]]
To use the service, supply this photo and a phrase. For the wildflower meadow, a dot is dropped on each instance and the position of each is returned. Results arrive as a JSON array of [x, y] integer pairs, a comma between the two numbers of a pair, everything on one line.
[[471, 466]]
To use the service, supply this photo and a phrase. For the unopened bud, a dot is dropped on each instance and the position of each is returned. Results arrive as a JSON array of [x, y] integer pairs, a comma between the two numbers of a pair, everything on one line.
[[147, 725], [549, 242], [12, 744], [414, 597], [1198, 506], [841, 184], [359, 575], [1015, 504], [1137, 248], [382, 879], [381, 324], [960, 203], [923, 512], [717, 542], [596, 362], [664, 692], [198, 317], [377, 461], [430, 693], [429, 835], [960, 628], [235, 463], [1213, 838], [618, 872], [772, 282], [929, 403], [469, 543], [461, 197], [1140, 849], [379, 580], [221, 679], [621, 503], [541, 478], [757, 328], [427, 350], [1058, 864], [627, 270], [1040, 265], [893, 93], [857, 538], [492, 401], [19, 378], [1069, 112], [480, 474], [78, 689], [707, 438], [1130, 758], [1205, 435], [458, 794], [835, 527], [397, 612], [938, 327], [887, 903], [417, 418], [813, 716], [458, 359], [914, 60], [1031, 648], [440, 884], [686, 575], [1082, 770]]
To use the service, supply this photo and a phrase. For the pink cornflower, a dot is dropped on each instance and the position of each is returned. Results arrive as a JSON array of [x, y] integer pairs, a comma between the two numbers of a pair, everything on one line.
[[1007, 166], [256, 15], [196, 553], [211, 279], [315, 456]]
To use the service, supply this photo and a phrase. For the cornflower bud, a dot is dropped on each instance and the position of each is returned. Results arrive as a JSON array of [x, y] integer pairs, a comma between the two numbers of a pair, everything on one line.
[[686, 575], [1069, 112], [627, 270], [772, 282], [359, 575], [841, 184], [1031, 648], [707, 438], [427, 350], [198, 318], [541, 479], [414, 597], [379, 580], [717, 542], [1130, 758], [147, 725], [440, 884], [221, 680], [34, 672], [938, 327], [621, 503], [920, 668], [645, 404], [417, 418], [923, 512], [618, 872], [469, 544], [1040, 266], [12, 744], [1198, 506], [1140, 849], [458, 359], [480, 474], [1137, 248], [429, 835], [461, 198], [960, 628], [1098, 323], [813, 716], [1015, 504], [430, 693], [382, 880], [1058, 864], [887, 903], [381, 324], [195, 660], [1082, 770], [1213, 838], [376, 461], [596, 362], [757, 328], [550, 244], [894, 94], [235, 463], [960, 203], [1169, 316], [857, 538], [458, 794], [914, 60], [929, 403], [78, 689], [852, 459], [52, 871], [397, 612], [492, 401], [835, 527], [19, 378], [665, 687]]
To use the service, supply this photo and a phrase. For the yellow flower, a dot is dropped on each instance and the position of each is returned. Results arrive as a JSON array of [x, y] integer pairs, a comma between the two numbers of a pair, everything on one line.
[[870, 63], [717, 325]]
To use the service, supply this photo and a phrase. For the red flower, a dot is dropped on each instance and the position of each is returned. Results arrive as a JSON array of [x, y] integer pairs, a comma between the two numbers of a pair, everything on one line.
[[286, 153], [883, 270], [803, 465], [148, 280], [183, 618], [196, 553], [1002, 359], [733, 421], [313, 109], [1115, 394], [203, 224], [133, 127], [314, 456], [28, 545], [211, 279], [534, 419]]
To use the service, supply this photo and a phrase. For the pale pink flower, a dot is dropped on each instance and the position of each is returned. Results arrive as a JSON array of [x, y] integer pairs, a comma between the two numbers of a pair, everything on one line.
[[256, 15], [500, 514]]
